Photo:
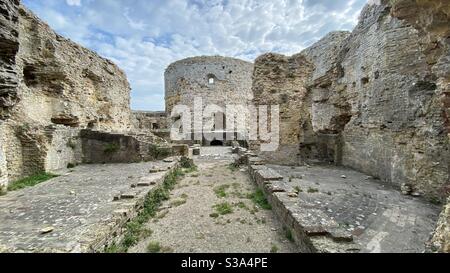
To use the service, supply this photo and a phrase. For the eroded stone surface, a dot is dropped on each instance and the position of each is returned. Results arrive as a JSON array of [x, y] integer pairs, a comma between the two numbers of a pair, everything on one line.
[[77, 209], [374, 100], [441, 239], [378, 217]]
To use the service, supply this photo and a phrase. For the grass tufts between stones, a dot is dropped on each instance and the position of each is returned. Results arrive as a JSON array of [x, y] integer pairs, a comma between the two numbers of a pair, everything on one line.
[[259, 198], [223, 208], [31, 181], [135, 228], [221, 191]]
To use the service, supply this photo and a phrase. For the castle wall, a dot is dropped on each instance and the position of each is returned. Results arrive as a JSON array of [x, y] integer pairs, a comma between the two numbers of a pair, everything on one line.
[[63, 83], [373, 103], [150, 121], [51, 88], [190, 78], [281, 80], [9, 45], [3, 163], [64, 148]]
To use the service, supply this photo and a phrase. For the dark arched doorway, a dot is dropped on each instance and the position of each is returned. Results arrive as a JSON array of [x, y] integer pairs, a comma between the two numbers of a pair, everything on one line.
[[216, 142]]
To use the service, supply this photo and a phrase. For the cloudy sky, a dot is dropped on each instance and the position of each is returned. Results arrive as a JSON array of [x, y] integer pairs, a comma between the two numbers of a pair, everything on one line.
[[144, 36]]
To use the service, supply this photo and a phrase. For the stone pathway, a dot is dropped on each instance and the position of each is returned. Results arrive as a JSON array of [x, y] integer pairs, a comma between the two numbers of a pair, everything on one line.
[[76, 209], [76, 212], [184, 224], [379, 217]]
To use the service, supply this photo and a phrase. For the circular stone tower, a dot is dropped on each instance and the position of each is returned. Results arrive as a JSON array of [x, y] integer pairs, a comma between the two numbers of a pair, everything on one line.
[[216, 80]]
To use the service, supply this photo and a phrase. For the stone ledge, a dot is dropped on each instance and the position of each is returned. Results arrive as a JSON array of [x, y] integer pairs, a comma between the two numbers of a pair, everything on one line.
[[312, 230]]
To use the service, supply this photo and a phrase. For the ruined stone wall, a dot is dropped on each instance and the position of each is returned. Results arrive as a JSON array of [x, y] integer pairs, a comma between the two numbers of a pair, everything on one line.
[[149, 121], [190, 78], [441, 238], [396, 128], [279, 80], [100, 147], [9, 45], [3, 163], [432, 19], [374, 102], [64, 148], [63, 83], [50, 89]]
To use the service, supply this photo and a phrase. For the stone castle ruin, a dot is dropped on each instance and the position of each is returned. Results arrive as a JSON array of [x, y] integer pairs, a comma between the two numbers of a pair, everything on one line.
[[376, 100], [217, 81], [59, 102]]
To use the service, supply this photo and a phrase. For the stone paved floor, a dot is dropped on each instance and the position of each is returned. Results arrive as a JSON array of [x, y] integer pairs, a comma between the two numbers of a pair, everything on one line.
[[379, 216], [187, 227], [77, 205]]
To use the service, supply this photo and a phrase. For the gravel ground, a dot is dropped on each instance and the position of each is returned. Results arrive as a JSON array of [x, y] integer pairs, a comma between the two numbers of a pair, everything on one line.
[[187, 222]]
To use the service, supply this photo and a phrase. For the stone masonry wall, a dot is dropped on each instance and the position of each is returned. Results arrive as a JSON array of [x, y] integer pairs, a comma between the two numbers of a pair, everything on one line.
[[432, 19], [189, 79], [99, 147], [64, 148], [149, 121], [374, 102], [279, 80], [3, 163], [63, 83], [50, 89], [9, 45], [441, 238]]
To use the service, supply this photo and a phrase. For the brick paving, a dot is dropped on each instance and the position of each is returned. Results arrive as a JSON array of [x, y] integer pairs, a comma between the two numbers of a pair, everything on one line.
[[378, 216], [76, 209]]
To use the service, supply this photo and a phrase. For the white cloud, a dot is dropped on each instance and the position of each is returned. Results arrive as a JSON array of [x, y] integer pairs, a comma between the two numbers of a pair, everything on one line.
[[146, 36], [73, 2]]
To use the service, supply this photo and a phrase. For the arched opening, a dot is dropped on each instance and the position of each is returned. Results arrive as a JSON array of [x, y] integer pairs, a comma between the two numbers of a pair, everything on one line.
[[211, 79], [216, 142]]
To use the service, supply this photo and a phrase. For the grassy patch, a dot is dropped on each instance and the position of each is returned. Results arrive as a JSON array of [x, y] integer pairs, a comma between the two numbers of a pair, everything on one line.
[[260, 200], [153, 247], [288, 234], [111, 148], [274, 249], [158, 152], [135, 229], [188, 165], [242, 205], [221, 191], [297, 189], [313, 190], [31, 181], [435, 201], [233, 167], [224, 208]]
